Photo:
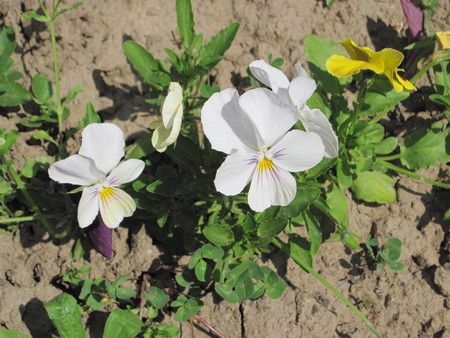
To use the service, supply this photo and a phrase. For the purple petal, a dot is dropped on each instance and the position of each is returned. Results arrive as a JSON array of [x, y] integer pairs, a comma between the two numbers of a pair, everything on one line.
[[101, 238], [415, 20]]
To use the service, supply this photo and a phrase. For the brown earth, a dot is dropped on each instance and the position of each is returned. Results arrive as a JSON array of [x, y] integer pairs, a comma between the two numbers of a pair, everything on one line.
[[412, 303]]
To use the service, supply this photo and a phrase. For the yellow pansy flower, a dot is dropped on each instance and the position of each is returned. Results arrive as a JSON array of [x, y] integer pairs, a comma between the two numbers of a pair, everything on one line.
[[361, 58], [443, 39]]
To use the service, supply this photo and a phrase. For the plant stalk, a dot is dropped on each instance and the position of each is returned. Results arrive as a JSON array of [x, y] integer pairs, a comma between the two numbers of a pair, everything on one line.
[[28, 218], [310, 270], [413, 174]]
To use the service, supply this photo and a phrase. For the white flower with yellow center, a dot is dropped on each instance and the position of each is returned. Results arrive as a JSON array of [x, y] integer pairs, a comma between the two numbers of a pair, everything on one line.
[[97, 167], [254, 131], [168, 129], [297, 92]]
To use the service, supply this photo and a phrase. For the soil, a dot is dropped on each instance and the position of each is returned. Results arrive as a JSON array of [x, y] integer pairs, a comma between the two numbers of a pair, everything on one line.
[[412, 303]]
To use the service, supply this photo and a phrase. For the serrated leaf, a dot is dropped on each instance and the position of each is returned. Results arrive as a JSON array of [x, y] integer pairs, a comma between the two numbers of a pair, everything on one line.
[[157, 297], [218, 44], [185, 20], [220, 235], [143, 61], [373, 186], [15, 95], [318, 50], [423, 148], [64, 312], [122, 324], [72, 95]]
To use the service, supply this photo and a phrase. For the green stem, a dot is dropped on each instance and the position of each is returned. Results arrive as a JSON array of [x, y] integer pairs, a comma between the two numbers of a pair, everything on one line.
[[389, 158], [28, 218], [59, 106], [425, 69], [310, 270], [413, 174]]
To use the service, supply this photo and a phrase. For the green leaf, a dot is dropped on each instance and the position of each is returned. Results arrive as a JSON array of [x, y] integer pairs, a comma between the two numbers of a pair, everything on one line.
[[157, 297], [64, 312], [318, 50], [218, 234], [271, 227], [140, 58], [43, 135], [7, 42], [314, 232], [72, 94], [142, 147], [15, 95], [317, 101], [338, 204], [373, 186], [299, 250], [30, 169], [447, 215], [207, 91], [42, 88], [122, 324], [300, 203], [275, 285], [185, 19], [396, 266], [120, 280], [86, 289], [386, 146], [212, 252], [375, 101], [125, 293], [202, 270], [33, 15], [188, 309], [5, 333], [218, 44], [91, 116], [227, 292], [423, 148]]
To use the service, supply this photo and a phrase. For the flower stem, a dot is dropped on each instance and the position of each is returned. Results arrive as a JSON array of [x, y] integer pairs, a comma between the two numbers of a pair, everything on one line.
[[59, 106], [28, 218], [413, 174], [389, 158], [310, 270]]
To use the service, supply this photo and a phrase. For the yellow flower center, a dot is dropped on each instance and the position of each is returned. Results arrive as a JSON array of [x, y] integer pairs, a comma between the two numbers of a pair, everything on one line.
[[265, 164], [106, 193]]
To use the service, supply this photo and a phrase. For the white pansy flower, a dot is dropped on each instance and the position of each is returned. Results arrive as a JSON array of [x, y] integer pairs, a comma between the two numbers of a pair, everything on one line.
[[97, 167], [168, 129], [254, 131], [297, 92]]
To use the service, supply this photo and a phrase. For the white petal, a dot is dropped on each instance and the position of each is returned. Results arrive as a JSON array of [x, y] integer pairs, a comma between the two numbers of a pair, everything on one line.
[[125, 172], [235, 172], [272, 117], [301, 89], [163, 137], [315, 121], [115, 204], [225, 124], [299, 71], [88, 206], [297, 151], [270, 76], [104, 143], [76, 169], [172, 106], [271, 187]]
